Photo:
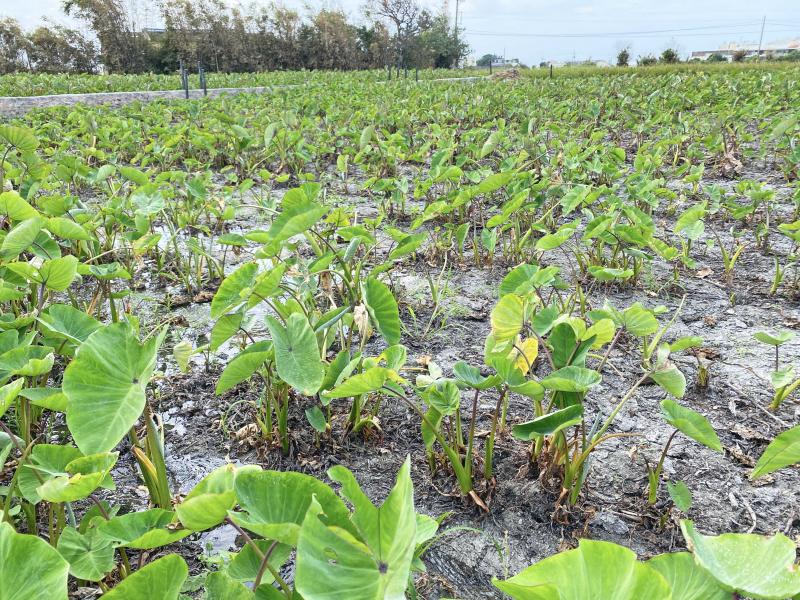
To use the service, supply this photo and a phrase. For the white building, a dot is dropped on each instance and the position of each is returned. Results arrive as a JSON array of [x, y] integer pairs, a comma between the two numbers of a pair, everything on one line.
[[777, 49]]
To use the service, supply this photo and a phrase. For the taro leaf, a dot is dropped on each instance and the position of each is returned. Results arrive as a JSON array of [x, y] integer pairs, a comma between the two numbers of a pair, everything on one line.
[[491, 143], [366, 136], [90, 556], [20, 237], [275, 504], [383, 310], [21, 138], [525, 354], [49, 398], [375, 564], [105, 272], [246, 564], [9, 393], [57, 274], [782, 377], [182, 352], [557, 238], [65, 322], [160, 579], [370, 380], [143, 530], [83, 476], [266, 285], [6, 445], [571, 379], [224, 329], [506, 318], [48, 460], [66, 229], [444, 396], [690, 341], [335, 369], [687, 579], [783, 451], [17, 209], [562, 340], [299, 213], [407, 245], [316, 419], [550, 423], [208, 503], [244, 365], [472, 377], [680, 494], [60, 473], [493, 183], [105, 386], [609, 274], [30, 568], [220, 586], [670, 379], [594, 570], [544, 319], [639, 321], [773, 340], [297, 354], [519, 280], [755, 566], [27, 361], [235, 290], [690, 423], [602, 331], [395, 357]]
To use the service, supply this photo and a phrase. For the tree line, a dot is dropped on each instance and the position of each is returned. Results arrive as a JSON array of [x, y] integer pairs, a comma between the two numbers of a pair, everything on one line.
[[225, 38]]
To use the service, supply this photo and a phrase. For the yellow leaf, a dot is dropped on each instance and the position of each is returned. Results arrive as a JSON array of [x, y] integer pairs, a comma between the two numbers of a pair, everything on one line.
[[530, 350]]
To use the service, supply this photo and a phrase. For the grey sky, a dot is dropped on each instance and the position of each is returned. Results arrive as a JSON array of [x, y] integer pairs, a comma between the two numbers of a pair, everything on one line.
[[534, 30]]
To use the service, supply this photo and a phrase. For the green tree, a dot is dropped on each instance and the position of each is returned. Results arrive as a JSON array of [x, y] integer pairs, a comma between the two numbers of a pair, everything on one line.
[[670, 56], [13, 46], [123, 48], [486, 60], [623, 58]]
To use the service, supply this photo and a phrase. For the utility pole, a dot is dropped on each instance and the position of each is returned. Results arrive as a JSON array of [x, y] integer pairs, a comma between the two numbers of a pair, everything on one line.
[[455, 26], [761, 39]]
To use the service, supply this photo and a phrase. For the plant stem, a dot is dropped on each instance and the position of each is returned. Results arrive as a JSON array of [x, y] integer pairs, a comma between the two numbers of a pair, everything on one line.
[[287, 591]]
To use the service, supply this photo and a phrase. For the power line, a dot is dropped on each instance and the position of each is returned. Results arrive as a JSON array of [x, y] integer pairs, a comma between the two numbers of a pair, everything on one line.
[[618, 34]]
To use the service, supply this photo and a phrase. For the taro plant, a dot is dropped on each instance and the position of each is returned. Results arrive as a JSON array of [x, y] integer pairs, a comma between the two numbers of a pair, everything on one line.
[[563, 442], [693, 425], [724, 567], [783, 379], [605, 570]]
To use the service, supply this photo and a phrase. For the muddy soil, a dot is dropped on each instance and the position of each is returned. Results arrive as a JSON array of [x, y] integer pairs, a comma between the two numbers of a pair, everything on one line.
[[523, 525]]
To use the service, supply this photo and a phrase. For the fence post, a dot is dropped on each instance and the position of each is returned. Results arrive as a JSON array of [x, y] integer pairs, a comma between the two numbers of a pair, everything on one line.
[[389, 71], [184, 80], [416, 74], [490, 67], [551, 70]]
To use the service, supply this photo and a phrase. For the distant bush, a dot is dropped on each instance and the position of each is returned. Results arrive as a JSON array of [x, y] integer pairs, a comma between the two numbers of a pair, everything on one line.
[[670, 56], [623, 58], [717, 57], [739, 56], [647, 61]]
